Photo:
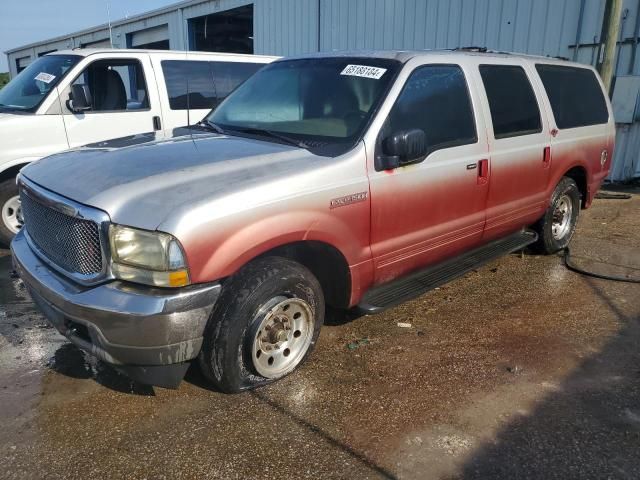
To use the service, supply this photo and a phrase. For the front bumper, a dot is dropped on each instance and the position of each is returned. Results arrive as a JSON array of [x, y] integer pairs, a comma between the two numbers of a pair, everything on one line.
[[148, 333]]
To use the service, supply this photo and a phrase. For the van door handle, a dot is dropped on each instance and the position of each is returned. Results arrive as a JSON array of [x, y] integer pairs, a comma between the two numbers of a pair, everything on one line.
[[483, 171], [157, 124], [546, 157]]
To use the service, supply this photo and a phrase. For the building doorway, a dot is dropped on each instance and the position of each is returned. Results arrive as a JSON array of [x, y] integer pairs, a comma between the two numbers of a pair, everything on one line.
[[230, 31]]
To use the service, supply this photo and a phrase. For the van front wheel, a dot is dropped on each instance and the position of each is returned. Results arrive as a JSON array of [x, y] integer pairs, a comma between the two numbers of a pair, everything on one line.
[[10, 215], [264, 325], [557, 226]]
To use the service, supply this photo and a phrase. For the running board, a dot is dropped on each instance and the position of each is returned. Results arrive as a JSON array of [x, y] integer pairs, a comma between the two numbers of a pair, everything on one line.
[[390, 294]]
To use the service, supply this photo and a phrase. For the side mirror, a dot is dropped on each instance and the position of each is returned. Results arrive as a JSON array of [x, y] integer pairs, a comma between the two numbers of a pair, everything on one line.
[[79, 99], [402, 148]]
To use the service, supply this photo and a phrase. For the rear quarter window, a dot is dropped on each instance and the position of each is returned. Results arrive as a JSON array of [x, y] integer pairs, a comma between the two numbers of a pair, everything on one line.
[[576, 98]]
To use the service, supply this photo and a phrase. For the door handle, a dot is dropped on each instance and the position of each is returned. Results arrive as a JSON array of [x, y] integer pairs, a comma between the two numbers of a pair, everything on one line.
[[157, 124], [546, 157], [483, 171]]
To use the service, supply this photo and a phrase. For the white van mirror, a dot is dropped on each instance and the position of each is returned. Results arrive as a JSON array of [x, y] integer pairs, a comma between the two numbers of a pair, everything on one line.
[[79, 99]]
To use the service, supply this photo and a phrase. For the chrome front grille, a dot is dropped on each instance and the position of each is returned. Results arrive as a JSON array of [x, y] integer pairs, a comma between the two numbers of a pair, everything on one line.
[[71, 243]]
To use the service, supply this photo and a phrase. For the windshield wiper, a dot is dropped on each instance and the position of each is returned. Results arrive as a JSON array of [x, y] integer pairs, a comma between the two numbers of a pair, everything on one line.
[[210, 126], [11, 108], [270, 133]]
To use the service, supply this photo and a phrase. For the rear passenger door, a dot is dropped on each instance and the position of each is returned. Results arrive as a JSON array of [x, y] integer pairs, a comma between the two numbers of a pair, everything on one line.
[[432, 209], [519, 147], [194, 87]]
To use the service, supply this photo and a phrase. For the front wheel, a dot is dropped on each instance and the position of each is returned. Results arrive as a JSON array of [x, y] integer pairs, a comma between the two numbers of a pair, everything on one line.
[[557, 226], [10, 215], [264, 325]]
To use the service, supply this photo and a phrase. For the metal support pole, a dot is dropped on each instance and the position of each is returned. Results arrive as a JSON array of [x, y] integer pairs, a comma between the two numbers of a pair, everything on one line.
[[609, 38]]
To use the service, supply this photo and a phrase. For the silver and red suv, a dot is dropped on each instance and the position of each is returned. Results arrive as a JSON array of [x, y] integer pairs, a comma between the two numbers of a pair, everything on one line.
[[353, 179]]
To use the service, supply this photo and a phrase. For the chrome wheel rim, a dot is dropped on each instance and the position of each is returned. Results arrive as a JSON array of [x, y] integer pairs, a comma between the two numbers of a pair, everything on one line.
[[283, 336], [12, 214], [561, 223]]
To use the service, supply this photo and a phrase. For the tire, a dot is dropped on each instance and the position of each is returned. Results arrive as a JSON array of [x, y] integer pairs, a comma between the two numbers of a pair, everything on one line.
[[270, 311], [553, 233], [8, 212]]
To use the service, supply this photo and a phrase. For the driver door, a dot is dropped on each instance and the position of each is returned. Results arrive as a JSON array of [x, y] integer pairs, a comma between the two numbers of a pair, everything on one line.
[[435, 207], [124, 101]]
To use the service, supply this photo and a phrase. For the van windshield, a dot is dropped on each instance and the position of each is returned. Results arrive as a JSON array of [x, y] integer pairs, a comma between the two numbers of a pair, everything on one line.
[[26, 92], [317, 103]]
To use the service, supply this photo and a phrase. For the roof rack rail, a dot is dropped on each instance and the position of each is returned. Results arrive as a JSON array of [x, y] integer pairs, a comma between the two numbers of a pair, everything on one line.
[[559, 57], [471, 49]]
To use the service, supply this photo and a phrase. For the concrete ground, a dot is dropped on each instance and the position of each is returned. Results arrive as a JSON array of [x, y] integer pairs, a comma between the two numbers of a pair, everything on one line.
[[521, 369]]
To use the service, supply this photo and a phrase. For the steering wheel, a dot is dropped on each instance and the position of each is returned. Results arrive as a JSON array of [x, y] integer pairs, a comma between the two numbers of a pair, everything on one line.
[[353, 119]]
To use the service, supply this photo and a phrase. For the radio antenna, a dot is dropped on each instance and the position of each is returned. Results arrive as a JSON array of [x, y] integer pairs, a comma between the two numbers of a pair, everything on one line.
[[185, 42], [109, 23], [188, 98]]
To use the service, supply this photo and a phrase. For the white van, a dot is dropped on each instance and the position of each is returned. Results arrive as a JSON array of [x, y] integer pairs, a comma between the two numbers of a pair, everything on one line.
[[72, 98]]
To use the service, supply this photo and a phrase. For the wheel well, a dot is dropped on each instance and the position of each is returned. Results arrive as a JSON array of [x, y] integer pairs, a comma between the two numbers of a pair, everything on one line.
[[11, 172], [327, 264], [579, 175]]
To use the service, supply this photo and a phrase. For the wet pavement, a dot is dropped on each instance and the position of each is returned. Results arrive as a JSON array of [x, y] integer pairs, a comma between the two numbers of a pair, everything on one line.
[[521, 369]]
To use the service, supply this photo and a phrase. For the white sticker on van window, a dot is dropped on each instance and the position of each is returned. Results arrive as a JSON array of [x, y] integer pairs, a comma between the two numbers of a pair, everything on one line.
[[363, 71], [45, 77]]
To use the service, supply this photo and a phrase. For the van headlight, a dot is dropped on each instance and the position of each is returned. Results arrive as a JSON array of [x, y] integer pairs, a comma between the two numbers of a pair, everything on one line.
[[152, 258]]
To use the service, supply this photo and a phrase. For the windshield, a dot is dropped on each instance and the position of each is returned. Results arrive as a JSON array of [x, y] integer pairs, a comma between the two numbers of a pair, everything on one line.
[[27, 91], [320, 103]]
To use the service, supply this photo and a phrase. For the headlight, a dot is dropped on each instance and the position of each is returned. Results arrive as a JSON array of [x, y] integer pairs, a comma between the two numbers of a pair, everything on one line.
[[152, 258]]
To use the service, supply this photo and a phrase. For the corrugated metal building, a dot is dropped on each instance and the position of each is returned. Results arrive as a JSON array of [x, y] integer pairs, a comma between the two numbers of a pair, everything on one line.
[[566, 28]]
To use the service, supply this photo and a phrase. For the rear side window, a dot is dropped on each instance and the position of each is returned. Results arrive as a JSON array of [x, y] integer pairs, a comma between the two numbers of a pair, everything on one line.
[[435, 99], [575, 95], [513, 105], [203, 85]]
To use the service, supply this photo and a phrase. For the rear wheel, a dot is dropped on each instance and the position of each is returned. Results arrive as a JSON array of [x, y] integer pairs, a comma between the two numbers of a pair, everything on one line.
[[10, 214], [557, 226], [264, 325]]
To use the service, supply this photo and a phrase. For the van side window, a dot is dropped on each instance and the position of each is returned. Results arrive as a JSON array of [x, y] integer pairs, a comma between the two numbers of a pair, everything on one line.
[[435, 99], [513, 105], [575, 95], [115, 85], [207, 83]]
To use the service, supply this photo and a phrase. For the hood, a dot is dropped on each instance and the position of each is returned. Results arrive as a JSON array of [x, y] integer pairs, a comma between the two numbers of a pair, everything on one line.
[[15, 116], [141, 180]]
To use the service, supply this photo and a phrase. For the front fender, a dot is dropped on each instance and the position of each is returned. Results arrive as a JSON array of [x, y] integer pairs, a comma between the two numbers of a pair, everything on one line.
[[242, 245]]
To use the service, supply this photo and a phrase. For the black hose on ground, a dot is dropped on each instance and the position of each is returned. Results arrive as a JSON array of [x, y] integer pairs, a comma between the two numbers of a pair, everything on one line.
[[616, 278]]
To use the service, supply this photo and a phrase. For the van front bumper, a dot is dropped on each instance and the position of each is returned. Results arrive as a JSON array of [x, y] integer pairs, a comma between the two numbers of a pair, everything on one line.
[[150, 334]]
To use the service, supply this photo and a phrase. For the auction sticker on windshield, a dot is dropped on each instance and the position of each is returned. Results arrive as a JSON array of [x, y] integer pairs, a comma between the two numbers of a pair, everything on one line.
[[363, 71], [45, 77]]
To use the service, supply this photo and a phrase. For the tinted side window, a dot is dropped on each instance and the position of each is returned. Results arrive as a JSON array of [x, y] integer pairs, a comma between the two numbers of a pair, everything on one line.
[[436, 100], [575, 96], [228, 75], [183, 76], [513, 105], [207, 83]]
